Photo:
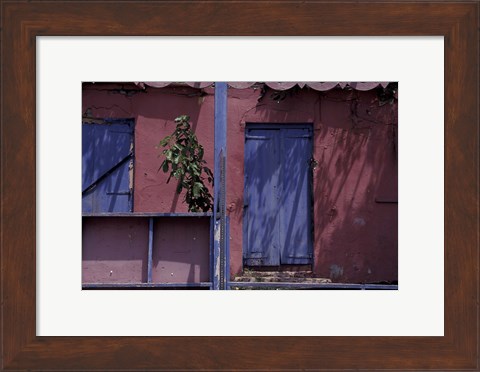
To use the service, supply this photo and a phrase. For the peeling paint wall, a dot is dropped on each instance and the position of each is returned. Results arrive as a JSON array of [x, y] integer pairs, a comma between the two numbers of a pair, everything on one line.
[[354, 181]]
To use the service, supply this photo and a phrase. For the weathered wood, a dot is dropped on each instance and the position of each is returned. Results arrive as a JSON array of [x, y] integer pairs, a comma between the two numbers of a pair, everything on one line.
[[106, 158], [144, 285], [150, 250], [147, 214], [277, 220]]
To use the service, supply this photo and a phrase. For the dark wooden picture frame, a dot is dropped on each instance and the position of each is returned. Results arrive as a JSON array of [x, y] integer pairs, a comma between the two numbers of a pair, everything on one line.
[[23, 21]]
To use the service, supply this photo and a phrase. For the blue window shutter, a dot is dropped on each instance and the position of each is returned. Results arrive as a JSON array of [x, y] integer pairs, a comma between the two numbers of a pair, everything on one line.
[[107, 154]]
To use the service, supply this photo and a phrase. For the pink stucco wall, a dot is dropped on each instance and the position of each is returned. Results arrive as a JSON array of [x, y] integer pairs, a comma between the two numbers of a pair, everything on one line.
[[114, 250], [355, 181]]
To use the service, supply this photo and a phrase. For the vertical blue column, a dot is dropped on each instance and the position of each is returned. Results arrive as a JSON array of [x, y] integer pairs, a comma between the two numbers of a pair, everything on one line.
[[227, 254], [150, 250], [219, 208]]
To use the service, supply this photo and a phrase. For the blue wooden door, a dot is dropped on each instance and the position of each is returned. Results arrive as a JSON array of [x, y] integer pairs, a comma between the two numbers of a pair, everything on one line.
[[107, 152], [261, 197], [277, 196]]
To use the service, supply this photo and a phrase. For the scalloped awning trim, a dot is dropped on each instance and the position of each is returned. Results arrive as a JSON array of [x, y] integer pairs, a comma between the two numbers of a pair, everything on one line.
[[320, 86]]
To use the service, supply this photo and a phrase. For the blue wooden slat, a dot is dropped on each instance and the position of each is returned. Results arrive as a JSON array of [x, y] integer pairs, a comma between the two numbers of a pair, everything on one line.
[[261, 197], [150, 250], [210, 252], [227, 255], [112, 143], [143, 285], [295, 211], [111, 194], [88, 146], [148, 214], [107, 173]]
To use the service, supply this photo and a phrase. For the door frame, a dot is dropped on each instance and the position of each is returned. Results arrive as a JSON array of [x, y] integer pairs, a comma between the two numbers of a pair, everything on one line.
[[290, 125]]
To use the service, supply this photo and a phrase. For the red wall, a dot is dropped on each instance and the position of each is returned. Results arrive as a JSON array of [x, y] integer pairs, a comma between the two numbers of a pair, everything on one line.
[[355, 236]]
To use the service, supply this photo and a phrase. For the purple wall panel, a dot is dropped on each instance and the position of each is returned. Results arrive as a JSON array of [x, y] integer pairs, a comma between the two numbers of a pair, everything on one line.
[[114, 250], [181, 250]]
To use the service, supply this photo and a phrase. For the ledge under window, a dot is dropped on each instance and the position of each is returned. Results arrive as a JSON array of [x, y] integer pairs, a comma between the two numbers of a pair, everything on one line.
[[147, 214]]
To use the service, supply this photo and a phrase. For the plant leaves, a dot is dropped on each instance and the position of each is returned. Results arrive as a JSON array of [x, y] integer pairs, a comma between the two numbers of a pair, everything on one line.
[[164, 141], [165, 166], [197, 187], [183, 158]]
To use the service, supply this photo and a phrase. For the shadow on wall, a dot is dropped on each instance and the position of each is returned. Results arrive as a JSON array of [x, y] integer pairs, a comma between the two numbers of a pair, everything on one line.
[[356, 192], [295, 108], [157, 111], [354, 183]]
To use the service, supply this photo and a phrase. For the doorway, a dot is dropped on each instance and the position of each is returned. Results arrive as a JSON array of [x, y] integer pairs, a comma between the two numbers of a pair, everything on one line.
[[277, 218]]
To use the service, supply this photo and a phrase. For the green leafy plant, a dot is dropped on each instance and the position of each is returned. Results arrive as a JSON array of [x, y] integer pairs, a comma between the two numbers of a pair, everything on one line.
[[183, 160]]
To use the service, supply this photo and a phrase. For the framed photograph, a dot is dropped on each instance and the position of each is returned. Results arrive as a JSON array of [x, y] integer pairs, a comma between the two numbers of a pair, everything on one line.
[[308, 190], [51, 240]]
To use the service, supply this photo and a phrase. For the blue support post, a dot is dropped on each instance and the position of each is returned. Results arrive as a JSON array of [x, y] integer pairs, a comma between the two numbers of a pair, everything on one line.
[[219, 205], [227, 254], [150, 250]]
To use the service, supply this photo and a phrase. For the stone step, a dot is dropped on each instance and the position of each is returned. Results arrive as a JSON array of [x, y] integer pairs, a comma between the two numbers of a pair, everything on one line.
[[280, 279], [280, 274]]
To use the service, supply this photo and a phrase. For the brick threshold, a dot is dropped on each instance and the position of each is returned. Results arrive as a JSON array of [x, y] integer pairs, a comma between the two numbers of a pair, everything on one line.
[[254, 276]]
